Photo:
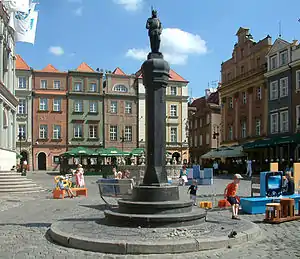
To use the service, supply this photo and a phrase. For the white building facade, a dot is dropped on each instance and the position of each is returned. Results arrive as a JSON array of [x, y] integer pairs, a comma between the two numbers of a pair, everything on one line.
[[8, 102]]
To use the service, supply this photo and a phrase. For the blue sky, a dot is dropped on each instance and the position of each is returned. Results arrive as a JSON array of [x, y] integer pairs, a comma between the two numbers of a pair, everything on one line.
[[198, 35]]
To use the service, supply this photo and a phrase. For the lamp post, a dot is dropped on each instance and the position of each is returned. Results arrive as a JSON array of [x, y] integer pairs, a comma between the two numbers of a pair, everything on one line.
[[122, 138], [216, 134], [21, 136]]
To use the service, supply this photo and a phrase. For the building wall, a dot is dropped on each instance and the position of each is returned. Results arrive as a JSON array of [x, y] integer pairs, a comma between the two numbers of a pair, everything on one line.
[[120, 118], [85, 118], [25, 119], [243, 75], [50, 146], [141, 113], [8, 103]]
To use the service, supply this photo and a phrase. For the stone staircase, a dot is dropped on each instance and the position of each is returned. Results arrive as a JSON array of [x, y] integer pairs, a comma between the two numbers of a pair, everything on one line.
[[13, 182]]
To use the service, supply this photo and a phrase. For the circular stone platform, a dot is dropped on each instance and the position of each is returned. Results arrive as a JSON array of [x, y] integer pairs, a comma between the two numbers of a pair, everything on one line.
[[94, 235]]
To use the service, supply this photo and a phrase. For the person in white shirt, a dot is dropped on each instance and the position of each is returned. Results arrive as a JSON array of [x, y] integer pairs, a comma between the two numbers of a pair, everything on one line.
[[249, 168]]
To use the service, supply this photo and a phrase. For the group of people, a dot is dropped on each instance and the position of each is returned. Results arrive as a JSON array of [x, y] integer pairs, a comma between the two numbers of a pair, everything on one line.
[[79, 181], [121, 175]]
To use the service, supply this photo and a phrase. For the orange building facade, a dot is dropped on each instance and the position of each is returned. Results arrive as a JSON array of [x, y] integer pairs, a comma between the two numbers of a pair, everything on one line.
[[49, 117]]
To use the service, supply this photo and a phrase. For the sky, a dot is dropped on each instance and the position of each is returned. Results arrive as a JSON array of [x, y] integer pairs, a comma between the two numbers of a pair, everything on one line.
[[198, 34]]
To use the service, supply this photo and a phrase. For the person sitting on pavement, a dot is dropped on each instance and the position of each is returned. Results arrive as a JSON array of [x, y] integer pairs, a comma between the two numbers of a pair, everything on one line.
[[289, 184], [230, 194], [61, 186]]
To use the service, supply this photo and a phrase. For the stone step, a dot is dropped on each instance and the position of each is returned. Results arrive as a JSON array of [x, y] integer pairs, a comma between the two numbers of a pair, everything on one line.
[[14, 179], [19, 185], [21, 190], [26, 182], [9, 174]]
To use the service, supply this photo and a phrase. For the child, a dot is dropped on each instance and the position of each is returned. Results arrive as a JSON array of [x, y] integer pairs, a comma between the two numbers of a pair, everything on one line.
[[61, 186], [193, 191], [230, 194]]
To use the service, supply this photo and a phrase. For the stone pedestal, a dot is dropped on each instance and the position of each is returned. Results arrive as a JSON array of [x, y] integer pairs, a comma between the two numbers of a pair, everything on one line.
[[155, 203]]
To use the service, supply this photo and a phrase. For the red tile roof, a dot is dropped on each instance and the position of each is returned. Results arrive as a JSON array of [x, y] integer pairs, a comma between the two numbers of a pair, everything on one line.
[[213, 98], [173, 76], [49, 69], [21, 64], [84, 67], [118, 71]]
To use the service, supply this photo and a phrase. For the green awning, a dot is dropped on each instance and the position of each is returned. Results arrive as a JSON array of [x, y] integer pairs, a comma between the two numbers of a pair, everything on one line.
[[137, 151], [287, 139], [225, 152], [112, 151], [260, 143], [80, 151]]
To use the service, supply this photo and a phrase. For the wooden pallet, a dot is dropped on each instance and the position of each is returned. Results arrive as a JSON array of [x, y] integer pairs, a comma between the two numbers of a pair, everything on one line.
[[281, 220]]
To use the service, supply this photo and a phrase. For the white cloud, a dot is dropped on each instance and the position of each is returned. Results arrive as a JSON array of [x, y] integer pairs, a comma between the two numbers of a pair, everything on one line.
[[176, 45], [78, 11], [56, 50], [130, 5]]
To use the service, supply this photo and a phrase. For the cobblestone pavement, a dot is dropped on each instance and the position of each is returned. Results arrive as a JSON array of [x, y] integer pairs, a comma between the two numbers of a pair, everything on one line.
[[26, 218]]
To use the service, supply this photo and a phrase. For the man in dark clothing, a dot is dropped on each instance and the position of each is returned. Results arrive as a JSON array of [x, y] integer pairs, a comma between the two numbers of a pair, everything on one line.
[[290, 187]]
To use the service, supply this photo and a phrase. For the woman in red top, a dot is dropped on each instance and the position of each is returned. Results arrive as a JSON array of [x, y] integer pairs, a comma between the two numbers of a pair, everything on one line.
[[230, 194]]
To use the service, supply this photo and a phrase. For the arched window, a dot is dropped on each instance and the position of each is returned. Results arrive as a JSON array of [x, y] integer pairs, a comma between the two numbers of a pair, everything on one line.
[[120, 88]]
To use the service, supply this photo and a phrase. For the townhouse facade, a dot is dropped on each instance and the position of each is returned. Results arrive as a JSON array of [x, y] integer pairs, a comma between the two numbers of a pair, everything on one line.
[[204, 126], [8, 102], [23, 93], [85, 108], [176, 118], [243, 92], [49, 117], [121, 111]]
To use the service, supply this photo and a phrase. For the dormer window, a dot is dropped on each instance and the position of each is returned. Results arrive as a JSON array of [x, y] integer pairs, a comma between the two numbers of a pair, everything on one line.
[[283, 58], [120, 88], [273, 61]]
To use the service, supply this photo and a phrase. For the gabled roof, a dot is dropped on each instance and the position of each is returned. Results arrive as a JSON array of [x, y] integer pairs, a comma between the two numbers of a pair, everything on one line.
[[49, 69], [173, 76], [213, 98], [278, 44], [118, 71], [242, 29], [84, 67], [21, 64]]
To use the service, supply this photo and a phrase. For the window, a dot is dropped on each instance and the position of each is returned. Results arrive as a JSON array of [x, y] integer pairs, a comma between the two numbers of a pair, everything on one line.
[[274, 90], [207, 138], [173, 110], [22, 131], [56, 84], [274, 123], [284, 87], [113, 133], [242, 53], [242, 70], [201, 123], [297, 117], [230, 102], [298, 79], [258, 62], [78, 106], [283, 58], [56, 105], [22, 106], [120, 88], [230, 133], [244, 129], [113, 106], [244, 97], [284, 121], [201, 140], [78, 87], [258, 93], [128, 133], [43, 104], [22, 82], [93, 131], [56, 160], [207, 118], [43, 132], [93, 107], [78, 131], [93, 87], [257, 127], [56, 132], [173, 90], [174, 135], [195, 141], [273, 62], [44, 84], [128, 107]]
